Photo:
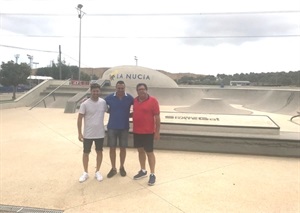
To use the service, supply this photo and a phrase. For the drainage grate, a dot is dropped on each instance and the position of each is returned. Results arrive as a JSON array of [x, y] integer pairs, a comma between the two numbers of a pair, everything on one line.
[[8, 208]]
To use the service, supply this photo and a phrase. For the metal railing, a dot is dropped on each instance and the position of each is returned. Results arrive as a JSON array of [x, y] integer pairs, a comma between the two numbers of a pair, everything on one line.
[[73, 102], [43, 99], [9, 208], [295, 116]]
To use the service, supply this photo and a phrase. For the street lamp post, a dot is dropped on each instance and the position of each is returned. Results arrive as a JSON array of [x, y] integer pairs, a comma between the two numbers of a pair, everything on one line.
[[35, 63], [136, 60], [17, 57], [80, 15], [30, 57]]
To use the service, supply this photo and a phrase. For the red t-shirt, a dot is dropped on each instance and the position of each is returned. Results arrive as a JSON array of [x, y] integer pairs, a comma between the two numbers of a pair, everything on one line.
[[143, 115]]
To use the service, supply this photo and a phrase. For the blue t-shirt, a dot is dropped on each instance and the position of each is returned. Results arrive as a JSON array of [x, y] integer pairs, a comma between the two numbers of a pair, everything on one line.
[[119, 111]]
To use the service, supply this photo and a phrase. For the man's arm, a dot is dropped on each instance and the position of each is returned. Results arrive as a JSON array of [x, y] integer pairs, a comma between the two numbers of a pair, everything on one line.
[[79, 126], [157, 127]]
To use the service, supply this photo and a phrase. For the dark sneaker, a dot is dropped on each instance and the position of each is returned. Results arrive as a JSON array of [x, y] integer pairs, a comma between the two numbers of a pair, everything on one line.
[[111, 173], [122, 172], [140, 175], [152, 179]]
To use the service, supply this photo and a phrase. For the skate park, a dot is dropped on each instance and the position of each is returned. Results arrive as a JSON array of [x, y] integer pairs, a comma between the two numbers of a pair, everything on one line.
[[221, 149]]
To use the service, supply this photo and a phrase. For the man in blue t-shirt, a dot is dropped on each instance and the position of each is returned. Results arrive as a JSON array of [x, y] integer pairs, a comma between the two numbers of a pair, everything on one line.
[[119, 104]]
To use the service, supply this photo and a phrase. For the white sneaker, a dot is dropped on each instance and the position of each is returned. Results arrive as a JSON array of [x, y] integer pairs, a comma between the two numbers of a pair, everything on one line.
[[98, 176], [83, 177]]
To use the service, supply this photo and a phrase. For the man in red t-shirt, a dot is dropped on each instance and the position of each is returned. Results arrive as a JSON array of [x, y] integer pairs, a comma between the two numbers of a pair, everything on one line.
[[146, 125]]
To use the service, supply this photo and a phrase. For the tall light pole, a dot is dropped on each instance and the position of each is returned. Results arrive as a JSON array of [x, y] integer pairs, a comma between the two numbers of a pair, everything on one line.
[[17, 57], [35, 63], [30, 57], [136, 60], [80, 15]]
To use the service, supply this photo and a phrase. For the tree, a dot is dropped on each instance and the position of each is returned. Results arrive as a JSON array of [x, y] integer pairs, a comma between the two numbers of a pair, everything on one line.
[[66, 72], [13, 74]]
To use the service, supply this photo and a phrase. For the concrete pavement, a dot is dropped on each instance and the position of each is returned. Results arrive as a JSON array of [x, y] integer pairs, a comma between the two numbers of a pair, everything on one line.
[[41, 163]]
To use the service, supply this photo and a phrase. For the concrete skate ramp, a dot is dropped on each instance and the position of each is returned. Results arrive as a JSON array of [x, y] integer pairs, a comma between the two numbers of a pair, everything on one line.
[[171, 96], [274, 100], [237, 95], [281, 102], [265, 99], [50, 102], [212, 106]]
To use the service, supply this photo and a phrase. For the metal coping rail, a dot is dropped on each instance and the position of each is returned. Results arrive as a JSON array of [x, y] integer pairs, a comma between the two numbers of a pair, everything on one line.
[[43, 99], [9, 208], [101, 82], [295, 116]]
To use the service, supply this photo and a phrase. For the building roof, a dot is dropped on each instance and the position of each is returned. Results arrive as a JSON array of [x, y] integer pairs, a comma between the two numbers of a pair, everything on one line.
[[39, 77]]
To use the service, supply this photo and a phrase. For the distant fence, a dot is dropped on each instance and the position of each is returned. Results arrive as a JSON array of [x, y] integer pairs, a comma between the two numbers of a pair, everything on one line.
[[239, 83], [76, 82], [10, 89]]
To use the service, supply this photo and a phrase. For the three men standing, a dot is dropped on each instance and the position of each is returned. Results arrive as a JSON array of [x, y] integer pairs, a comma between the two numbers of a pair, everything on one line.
[[146, 128]]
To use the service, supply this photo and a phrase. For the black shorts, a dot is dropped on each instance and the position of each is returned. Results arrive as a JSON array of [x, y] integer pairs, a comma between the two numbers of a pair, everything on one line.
[[144, 140], [87, 144]]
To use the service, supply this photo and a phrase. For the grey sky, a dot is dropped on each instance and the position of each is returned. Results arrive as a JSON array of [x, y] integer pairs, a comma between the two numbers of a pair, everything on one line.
[[211, 28], [252, 26], [225, 30], [27, 25]]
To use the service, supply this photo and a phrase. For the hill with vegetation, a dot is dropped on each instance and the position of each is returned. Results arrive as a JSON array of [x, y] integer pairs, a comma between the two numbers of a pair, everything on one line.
[[291, 78]]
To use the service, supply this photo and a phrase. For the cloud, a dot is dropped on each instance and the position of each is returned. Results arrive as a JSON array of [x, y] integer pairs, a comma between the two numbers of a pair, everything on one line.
[[237, 29], [39, 25], [27, 25]]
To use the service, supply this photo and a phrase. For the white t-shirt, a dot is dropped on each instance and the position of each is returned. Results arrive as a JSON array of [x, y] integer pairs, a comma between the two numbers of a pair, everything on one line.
[[93, 112]]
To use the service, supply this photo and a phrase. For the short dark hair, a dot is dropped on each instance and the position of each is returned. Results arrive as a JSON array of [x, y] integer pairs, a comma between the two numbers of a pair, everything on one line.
[[141, 84], [94, 86], [120, 82]]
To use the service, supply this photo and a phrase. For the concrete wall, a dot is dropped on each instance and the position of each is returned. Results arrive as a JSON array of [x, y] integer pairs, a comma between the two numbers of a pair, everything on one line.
[[223, 144], [30, 96], [274, 100]]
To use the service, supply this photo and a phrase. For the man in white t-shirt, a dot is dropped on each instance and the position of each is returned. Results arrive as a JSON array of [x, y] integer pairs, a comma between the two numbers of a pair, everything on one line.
[[92, 111]]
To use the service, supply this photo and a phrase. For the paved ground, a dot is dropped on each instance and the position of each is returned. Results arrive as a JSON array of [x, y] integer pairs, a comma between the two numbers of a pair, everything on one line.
[[8, 96], [41, 163]]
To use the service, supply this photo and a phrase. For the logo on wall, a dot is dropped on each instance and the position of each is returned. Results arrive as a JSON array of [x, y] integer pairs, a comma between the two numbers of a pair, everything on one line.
[[113, 75], [191, 118]]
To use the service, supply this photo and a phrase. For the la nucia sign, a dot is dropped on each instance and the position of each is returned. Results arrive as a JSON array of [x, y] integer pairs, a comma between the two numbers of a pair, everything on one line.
[[129, 76]]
